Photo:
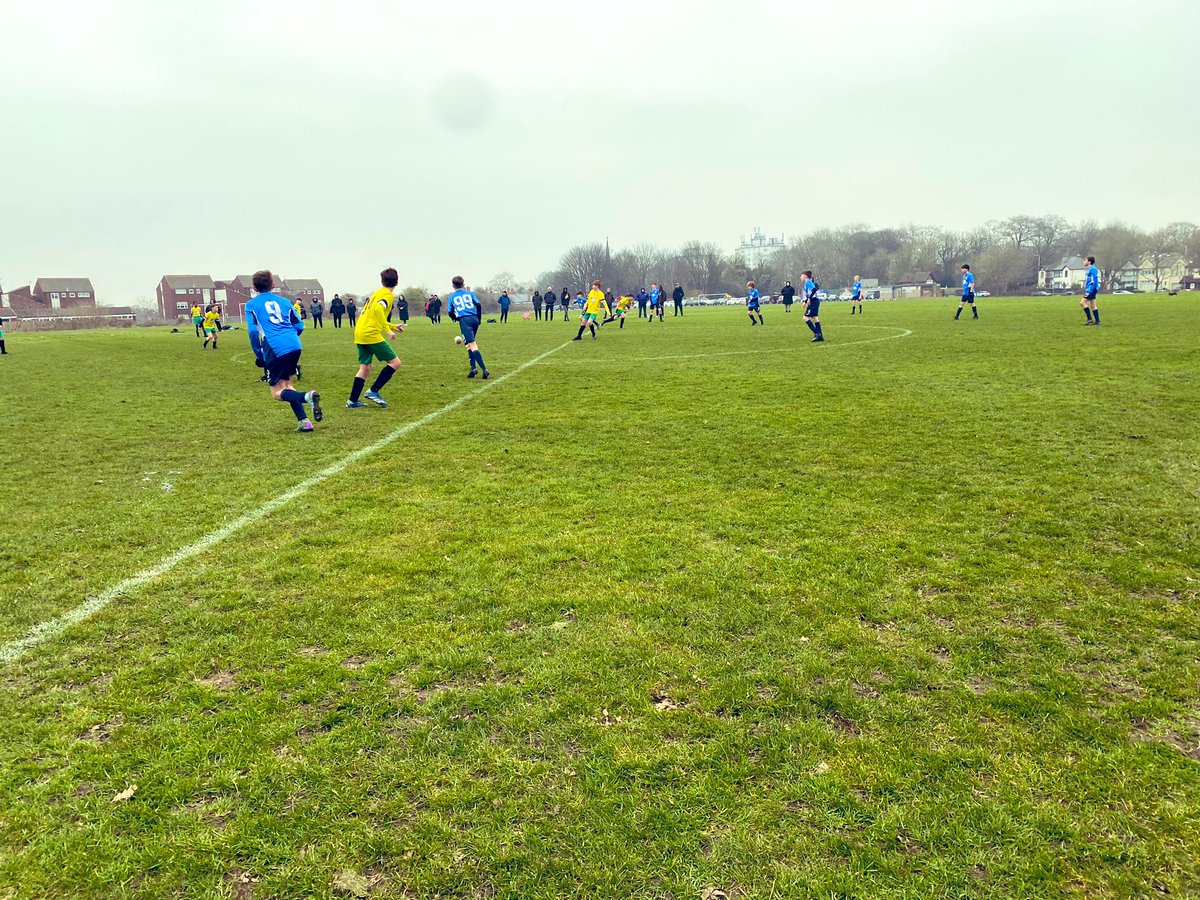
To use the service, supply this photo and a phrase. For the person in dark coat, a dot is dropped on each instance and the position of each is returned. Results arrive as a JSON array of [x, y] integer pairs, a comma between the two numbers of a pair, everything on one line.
[[566, 304], [505, 302], [318, 312], [537, 306], [677, 296], [337, 309], [550, 297], [788, 293], [351, 311], [402, 308]]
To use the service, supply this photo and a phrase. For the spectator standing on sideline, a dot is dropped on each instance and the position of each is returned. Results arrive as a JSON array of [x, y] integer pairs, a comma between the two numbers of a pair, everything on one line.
[[677, 296], [642, 299], [351, 311], [505, 302], [318, 313], [566, 305], [435, 307], [549, 300], [338, 309], [537, 306], [788, 294], [402, 309]]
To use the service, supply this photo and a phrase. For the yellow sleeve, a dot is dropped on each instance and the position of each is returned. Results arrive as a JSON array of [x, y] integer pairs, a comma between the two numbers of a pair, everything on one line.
[[379, 309]]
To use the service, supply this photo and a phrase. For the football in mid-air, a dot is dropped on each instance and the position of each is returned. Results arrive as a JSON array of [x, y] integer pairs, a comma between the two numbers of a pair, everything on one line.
[[458, 339]]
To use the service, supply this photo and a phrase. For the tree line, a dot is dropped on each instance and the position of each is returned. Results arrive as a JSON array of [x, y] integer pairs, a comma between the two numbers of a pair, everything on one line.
[[1005, 255]]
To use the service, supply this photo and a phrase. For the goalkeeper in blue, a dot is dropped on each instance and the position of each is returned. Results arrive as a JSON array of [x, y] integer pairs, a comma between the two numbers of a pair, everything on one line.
[[274, 330], [465, 309]]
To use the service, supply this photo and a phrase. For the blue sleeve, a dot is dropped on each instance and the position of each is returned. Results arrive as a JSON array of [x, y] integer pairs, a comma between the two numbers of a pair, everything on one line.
[[252, 330]]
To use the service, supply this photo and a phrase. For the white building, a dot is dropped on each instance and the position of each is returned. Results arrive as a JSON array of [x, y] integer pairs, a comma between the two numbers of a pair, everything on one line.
[[760, 248], [1069, 273]]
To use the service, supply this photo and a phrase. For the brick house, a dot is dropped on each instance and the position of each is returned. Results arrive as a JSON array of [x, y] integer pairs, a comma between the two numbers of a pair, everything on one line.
[[178, 293], [234, 294], [306, 290], [53, 293]]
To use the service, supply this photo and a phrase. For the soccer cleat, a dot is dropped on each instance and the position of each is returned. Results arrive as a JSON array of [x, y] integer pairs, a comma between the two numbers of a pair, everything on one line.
[[354, 404], [374, 397], [472, 374], [815, 340], [305, 427], [578, 337], [486, 374], [315, 399]]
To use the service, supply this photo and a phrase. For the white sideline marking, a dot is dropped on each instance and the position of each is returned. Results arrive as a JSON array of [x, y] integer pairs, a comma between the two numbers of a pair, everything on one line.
[[906, 332], [48, 629]]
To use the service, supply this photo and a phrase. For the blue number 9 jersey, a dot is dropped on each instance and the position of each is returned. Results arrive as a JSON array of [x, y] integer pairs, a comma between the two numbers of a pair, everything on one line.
[[462, 303]]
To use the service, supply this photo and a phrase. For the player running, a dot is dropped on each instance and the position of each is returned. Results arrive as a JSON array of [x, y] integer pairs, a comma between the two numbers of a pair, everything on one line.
[[465, 309], [211, 315], [197, 318], [591, 310], [856, 294], [369, 333], [753, 307], [812, 307], [274, 330], [968, 293], [1091, 287], [624, 303]]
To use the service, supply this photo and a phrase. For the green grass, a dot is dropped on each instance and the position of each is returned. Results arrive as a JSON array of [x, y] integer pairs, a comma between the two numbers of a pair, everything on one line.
[[910, 618]]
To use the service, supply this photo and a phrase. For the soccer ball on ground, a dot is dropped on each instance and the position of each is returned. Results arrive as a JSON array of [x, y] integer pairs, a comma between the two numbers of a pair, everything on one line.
[[458, 339]]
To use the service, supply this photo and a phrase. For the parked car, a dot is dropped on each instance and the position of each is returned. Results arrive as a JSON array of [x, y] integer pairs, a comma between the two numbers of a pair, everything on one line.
[[984, 294], [844, 295]]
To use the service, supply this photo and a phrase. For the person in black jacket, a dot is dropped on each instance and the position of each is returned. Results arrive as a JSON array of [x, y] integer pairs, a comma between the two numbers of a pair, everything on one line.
[[789, 294], [550, 297], [351, 311], [337, 309], [401, 308], [537, 306], [566, 305], [677, 296]]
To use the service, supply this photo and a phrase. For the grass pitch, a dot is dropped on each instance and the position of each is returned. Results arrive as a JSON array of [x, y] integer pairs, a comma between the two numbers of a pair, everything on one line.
[[693, 608]]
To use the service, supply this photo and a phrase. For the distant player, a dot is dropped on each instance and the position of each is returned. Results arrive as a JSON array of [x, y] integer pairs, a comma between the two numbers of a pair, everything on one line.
[[274, 330], [1091, 287], [591, 310], [197, 318], [657, 300], [753, 306], [212, 316], [788, 293], [3, 349], [856, 294], [465, 309], [812, 308], [624, 304], [968, 293], [369, 333]]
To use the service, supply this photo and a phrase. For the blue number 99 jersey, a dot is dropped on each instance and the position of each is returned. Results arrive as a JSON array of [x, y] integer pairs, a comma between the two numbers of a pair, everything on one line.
[[462, 303]]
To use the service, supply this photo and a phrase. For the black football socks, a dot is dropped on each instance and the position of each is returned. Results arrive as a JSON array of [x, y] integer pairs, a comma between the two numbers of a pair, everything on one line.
[[385, 375], [356, 391]]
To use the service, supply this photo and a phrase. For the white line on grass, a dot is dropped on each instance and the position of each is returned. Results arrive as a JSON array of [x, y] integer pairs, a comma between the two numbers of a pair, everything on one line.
[[790, 348], [48, 629]]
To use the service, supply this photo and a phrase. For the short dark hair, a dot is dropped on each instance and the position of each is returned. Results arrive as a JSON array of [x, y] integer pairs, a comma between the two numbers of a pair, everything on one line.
[[807, 273], [458, 281], [965, 266], [388, 278], [1091, 260], [263, 280]]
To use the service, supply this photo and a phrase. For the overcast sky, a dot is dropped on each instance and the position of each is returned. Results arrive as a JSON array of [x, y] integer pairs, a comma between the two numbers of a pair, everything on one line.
[[328, 139]]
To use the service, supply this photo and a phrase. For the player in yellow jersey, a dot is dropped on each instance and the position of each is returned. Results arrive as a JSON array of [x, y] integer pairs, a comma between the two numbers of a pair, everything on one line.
[[624, 303], [197, 317], [369, 333], [591, 310], [211, 315]]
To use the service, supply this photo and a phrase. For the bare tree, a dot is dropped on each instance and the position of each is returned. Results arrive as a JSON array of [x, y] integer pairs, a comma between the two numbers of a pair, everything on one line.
[[1165, 247], [1003, 268], [505, 281], [581, 264], [1115, 246], [1046, 237], [700, 265]]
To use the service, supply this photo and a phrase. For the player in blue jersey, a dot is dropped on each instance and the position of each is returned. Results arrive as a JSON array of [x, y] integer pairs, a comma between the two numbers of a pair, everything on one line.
[[856, 294], [812, 308], [657, 299], [753, 308], [1091, 287], [968, 293], [465, 309], [274, 330]]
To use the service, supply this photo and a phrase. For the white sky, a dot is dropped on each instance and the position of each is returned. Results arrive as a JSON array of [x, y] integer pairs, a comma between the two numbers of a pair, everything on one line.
[[330, 139]]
